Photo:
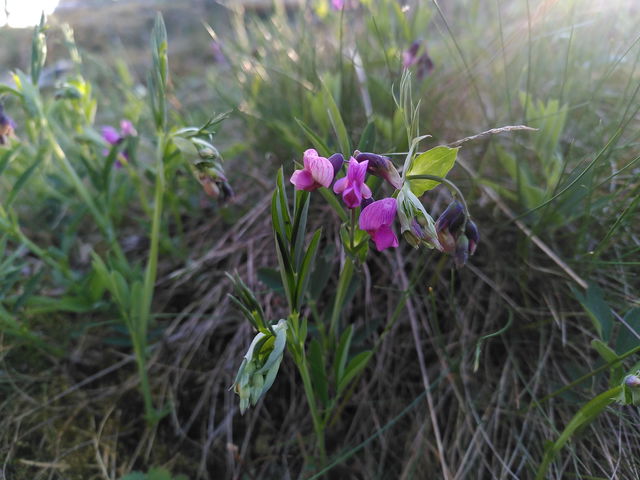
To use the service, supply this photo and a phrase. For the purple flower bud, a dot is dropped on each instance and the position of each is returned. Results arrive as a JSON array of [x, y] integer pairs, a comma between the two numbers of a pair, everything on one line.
[[409, 56], [127, 129], [366, 202], [451, 219], [632, 381], [381, 167], [462, 251], [336, 161], [424, 66], [472, 233]]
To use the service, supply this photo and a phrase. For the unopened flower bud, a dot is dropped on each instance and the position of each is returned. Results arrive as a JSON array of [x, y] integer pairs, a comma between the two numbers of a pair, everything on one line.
[[462, 251], [451, 219], [336, 162], [209, 153], [409, 56], [632, 381], [472, 233], [260, 365], [381, 167]]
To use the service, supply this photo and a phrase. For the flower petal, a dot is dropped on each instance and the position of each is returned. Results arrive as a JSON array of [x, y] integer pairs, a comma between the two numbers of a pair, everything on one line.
[[352, 196], [321, 170], [384, 238], [340, 185], [307, 156], [379, 213], [366, 191], [303, 180]]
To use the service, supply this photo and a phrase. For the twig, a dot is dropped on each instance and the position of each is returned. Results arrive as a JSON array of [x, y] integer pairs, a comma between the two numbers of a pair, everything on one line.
[[493, 131]]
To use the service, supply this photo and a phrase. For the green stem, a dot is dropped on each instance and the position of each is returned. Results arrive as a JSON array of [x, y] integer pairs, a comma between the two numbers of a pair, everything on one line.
[[141, 324], [452, 188], [352, 230], [318, 425], [341, 292]]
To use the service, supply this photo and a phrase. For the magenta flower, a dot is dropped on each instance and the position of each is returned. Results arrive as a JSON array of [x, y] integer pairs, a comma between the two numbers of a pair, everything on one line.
[[352, 187], [376, 219], [111, 135], [317, 172]]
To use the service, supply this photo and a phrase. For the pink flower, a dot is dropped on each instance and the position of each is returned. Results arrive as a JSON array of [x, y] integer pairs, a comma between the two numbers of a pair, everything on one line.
[[377, 219], [317, 172], [352, 187], [111, 135]]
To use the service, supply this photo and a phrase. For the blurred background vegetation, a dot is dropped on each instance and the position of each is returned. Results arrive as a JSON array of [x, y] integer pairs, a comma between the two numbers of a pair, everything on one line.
[[485, 365]]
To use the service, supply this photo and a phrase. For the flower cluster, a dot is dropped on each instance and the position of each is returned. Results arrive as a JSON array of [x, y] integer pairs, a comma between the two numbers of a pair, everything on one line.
[[454, 233], [458, 235], [376, 217]]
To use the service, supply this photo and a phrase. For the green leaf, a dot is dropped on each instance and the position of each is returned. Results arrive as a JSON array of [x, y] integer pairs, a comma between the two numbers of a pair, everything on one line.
[[336, 121], [368, 138], [17, 186], [609, 356], [626, 340], [299, 226], [134, 476], [599, 312], [318, 373], [271, 278], [316, 141], [437, 161], [354, 367], [585, 415], [305, 270]]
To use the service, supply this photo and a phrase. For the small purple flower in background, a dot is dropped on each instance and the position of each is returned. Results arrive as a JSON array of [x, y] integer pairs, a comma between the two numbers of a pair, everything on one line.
[[344, 4], [127, 129], [111, 135], [114, 137], [410, 55], [380, 166], [423, 63], [352, 187], [376, 219], [218, 54], [7, 126], [317, 172]]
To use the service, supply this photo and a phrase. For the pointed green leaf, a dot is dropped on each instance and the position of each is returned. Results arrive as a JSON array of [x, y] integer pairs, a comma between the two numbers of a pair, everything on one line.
[[437, 161], [354, 367], [318, 373]]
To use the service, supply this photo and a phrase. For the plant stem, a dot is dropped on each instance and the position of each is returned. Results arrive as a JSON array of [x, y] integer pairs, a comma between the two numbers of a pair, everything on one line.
[[452, 188], [140, 324], [318, 425], [341, 292]]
